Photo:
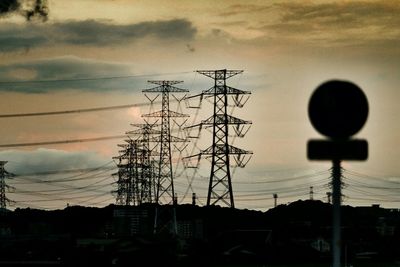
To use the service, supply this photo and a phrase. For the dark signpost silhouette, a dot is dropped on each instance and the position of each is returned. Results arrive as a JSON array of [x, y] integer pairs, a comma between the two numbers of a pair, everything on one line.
[[338, 110]]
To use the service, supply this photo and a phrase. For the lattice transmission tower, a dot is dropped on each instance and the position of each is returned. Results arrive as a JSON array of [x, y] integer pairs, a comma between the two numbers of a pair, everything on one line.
[[126, 193], [3, 185], [165, 182], [136, 171], [146, 177], [221, 151]]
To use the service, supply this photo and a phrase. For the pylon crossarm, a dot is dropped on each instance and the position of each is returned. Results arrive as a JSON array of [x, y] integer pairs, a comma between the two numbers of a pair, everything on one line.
[[219, 74], [164, 82], [143, 131], [172, 139], [224, 90], [177, 114], [165, 89], [224, 118], [167, 113], [145, 126], [220, 149]]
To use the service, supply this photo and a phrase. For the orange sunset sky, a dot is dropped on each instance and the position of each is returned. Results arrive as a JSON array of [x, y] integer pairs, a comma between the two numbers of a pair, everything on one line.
[[286, 49]]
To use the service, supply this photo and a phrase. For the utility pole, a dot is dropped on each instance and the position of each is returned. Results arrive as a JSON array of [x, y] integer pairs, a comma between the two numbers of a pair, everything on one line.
[[194, 199], [338, 110], [220, 181], [311, 193], [328, 196], [336, 199]]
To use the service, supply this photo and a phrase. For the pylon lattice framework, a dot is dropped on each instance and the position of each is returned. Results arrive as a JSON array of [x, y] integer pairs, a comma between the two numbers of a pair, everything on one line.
[[127, 174], [165, 183], [3, 175], [147, 186], [220, 183], [136, 172]]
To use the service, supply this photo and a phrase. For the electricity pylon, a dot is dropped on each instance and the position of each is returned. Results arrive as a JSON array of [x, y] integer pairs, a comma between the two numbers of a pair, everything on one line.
[[145, 178], [165, 183], [127, 173], [220, 183], [3, 185]]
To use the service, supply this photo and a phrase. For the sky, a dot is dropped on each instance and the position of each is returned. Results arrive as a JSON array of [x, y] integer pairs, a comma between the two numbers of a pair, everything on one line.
[[286, 49]]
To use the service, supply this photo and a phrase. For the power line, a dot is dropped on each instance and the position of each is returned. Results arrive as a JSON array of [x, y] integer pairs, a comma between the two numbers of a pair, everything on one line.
[[49, 113], [50, 172], [89, 79], [63, 141], [284, 179]]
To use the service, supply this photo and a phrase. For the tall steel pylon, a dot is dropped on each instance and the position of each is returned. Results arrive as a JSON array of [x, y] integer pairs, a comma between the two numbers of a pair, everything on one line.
[[220, 183], [3, 185], [146, 183], [127, 172], [165, 183]]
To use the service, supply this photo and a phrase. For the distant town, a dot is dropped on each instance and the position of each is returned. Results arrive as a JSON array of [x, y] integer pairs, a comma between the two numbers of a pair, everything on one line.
[[295, 234]]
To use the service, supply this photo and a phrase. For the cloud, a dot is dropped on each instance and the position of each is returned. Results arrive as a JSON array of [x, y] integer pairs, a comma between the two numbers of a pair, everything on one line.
[[9, 6], [41, 160], [39, 10], [239, 9], [356, 20], [94, 32], [64, 69], [30, 9], [14, 37]]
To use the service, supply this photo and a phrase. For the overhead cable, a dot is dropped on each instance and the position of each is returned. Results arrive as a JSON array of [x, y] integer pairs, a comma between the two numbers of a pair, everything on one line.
[[63, 141]]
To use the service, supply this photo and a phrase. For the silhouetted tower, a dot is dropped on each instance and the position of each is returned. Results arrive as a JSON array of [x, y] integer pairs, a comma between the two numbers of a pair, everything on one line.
[[145, 175], [328, 196], [220, 183], [311, 193], [3, 175], [275, 200], [127, 191], [165, 183], [193, 199]]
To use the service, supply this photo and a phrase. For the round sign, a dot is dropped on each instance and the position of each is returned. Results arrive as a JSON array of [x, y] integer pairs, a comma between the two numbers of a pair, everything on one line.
[[338, 109]]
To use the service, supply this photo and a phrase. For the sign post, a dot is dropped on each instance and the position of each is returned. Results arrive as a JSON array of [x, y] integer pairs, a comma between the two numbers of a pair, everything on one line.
[[338, 110]]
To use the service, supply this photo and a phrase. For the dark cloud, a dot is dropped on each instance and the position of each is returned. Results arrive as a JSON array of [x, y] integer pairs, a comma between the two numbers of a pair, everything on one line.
[[41, 160], [30, 9], [66, 68], [94, 32], [39, 10], [9, 6], [90, 33]]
